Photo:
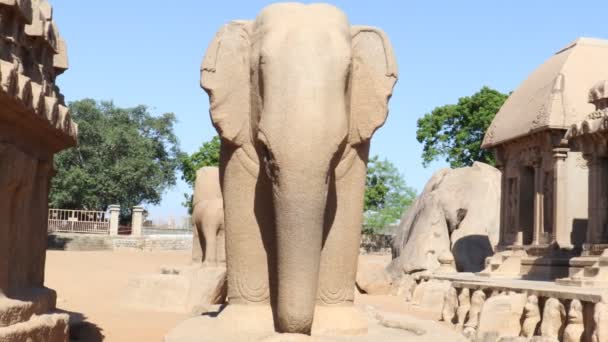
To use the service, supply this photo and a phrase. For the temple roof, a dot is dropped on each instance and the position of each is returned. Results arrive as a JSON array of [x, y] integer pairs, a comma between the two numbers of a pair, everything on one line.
[[555, 95]]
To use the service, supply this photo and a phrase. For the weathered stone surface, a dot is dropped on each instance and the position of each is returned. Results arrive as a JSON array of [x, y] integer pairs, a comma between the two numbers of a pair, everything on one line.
[[372, 278], [477, 300], [554, 316], [600, 318], [501, 316], [34, 125], [531, 317], [430, 296], [44, 328], [186, 290], [464, 306], [286, 221], [27, 80], [450, 305], [405, 287], [457, 213], [575, 328]]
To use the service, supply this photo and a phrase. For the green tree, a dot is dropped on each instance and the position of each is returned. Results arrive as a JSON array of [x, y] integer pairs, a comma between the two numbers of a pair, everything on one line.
[[386, 195], [124, 156], [455, 131], [207, 155]]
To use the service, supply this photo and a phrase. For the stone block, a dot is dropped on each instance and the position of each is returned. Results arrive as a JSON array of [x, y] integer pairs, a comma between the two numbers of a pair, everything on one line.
[[501, 316], [430, 296]]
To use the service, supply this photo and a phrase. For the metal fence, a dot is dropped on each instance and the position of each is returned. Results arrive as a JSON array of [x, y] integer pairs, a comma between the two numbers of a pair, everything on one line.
[[79, 221]]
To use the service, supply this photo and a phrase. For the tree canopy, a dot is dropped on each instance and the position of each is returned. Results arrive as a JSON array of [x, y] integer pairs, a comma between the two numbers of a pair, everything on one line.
[[207, 155], [124, 156], [455, 131], [387, 195]]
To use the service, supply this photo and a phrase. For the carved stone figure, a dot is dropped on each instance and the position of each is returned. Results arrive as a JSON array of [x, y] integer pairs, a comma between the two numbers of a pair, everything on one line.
[[450, 304], [554, 315], [477, 300], [531, 317], [464, 305], [452, 224], [600, 318], [575, 328], [296, 96], [208, 218]]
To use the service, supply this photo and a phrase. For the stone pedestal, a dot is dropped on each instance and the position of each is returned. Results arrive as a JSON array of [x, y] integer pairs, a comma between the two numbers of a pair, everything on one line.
[[343, 323], [34, 125]]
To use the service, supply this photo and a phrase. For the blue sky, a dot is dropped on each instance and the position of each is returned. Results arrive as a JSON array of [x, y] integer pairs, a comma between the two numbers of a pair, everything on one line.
[[149, 52]]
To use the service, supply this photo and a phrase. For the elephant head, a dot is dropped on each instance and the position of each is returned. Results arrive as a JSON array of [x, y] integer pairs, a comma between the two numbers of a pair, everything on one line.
[[297, 89]]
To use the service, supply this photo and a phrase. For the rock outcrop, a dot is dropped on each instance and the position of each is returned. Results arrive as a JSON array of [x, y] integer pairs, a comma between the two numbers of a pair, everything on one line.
[[458, 212]]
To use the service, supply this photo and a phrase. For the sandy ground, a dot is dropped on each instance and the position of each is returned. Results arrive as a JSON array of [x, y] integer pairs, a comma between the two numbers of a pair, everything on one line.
[[90, 286]]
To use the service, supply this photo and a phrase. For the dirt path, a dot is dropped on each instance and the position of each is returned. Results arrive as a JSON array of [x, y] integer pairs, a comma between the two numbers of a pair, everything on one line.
[[92, 284]]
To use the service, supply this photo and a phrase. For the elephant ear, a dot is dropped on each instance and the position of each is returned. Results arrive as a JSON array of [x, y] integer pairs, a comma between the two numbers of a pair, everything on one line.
[[225, 77], [373, 76]]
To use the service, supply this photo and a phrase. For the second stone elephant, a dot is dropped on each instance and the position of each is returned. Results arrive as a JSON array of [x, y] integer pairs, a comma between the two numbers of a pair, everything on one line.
[[208, 218]]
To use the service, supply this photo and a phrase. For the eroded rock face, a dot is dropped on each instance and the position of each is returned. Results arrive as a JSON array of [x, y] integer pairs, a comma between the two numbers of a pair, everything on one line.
[[457, 212]]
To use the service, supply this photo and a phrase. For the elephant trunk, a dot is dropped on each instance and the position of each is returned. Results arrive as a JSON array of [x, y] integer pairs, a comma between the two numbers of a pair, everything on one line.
[[299, 210]]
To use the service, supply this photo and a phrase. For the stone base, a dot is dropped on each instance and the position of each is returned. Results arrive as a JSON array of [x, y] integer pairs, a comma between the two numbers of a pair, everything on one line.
[[25, 317], [188, 289], [595, 275], [44, 328], [244, 323]]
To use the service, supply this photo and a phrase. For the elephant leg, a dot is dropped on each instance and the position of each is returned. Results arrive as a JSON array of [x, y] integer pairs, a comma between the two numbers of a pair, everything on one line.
[[210, 232], [247, 216], [221, 243], [340, 252], [198, 240]]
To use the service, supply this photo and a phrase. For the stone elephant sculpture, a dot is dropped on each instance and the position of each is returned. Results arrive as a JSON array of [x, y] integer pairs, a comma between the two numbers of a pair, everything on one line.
[[208, 218], [296, 96]]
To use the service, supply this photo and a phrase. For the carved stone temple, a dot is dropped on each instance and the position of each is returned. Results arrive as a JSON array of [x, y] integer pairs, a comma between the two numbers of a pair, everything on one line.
[[548, 278], [544, 217], [34, 125]]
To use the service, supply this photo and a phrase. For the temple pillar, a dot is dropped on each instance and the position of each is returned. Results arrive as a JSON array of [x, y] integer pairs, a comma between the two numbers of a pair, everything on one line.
[[595, 224], [560, 193], [538, 203]]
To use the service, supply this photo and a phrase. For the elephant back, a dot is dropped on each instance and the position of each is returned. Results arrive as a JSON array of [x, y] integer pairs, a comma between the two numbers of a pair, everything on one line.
[[207, 184]]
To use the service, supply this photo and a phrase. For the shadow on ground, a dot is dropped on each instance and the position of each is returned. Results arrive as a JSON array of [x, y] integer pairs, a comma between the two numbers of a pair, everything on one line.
[[81, 330]]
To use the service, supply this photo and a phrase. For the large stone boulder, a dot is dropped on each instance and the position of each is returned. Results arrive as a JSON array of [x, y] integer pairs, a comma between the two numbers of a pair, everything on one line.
[[458, 212]]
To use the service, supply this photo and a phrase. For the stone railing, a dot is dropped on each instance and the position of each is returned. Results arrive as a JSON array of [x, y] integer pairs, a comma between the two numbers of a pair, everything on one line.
[[513, 310]]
